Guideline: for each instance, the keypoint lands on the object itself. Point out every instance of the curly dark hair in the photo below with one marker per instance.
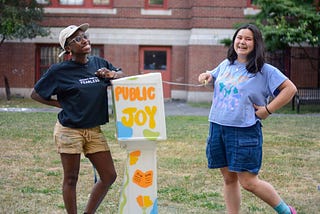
(256, 57)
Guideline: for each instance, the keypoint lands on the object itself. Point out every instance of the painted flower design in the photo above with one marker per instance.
(144, 202)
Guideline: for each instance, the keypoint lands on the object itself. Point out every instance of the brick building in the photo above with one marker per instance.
(178, 38)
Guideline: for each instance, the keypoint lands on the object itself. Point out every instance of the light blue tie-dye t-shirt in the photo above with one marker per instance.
(236, 90)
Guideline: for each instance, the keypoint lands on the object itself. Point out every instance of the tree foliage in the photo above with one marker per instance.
(287, 22)
(19, 19)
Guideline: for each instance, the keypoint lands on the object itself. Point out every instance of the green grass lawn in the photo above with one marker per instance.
(31, 172)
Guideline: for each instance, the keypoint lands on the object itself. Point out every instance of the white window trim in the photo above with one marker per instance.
(81, 10)
(156, 12)
(69, 2)
(251, 11)
(43, 1)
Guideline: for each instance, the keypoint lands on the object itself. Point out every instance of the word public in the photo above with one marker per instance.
(134, 93)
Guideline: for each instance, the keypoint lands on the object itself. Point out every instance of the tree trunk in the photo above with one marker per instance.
(6, 83)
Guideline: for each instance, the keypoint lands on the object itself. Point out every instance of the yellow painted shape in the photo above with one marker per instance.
(149, 134)
(134, 157)
(144, 201)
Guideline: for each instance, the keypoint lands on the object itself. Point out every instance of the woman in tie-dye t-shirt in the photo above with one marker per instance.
(243, 84)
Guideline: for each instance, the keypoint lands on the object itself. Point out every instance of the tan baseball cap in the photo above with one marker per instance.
(67, 32)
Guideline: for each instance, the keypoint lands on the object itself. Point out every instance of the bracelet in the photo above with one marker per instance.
(267, 109)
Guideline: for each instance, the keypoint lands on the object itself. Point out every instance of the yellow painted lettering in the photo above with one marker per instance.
(140, 118)
(130, 119)
(151, 113)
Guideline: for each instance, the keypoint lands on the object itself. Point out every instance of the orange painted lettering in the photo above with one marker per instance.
(134, 93)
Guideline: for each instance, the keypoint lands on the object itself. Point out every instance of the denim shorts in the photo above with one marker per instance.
(238, 148)
(76, 141)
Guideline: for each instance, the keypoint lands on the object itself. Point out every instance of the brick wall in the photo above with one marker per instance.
(124, 56)
(17, 63)
(179, 66)
(201, 59)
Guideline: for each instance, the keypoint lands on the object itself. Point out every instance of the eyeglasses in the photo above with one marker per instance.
(79, 38)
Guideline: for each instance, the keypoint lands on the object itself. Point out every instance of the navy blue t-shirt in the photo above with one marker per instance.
(82, 95)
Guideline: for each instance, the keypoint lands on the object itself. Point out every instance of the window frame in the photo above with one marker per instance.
(157, 51)
(164, 6)
(142, 49)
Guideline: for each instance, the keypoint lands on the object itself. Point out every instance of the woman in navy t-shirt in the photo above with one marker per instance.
(80, 86)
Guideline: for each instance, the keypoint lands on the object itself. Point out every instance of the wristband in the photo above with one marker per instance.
(267, 109)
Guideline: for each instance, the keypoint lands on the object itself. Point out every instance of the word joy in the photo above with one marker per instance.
(134, 93)
(139, 116)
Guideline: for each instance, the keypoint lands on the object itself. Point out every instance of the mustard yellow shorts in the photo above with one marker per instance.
(76, 141)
